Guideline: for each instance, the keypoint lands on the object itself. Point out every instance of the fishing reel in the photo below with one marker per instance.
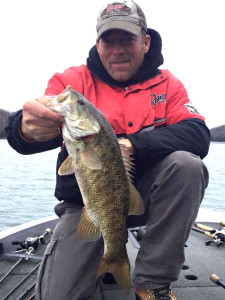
(217, 235)
(218, 239)
(30, 242)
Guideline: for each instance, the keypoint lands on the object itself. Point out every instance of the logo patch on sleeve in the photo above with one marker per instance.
(191, 108)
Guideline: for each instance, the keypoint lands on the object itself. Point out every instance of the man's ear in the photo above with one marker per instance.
(147, 43)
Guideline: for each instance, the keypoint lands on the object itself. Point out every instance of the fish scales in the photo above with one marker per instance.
(108, 195)
(104, 190)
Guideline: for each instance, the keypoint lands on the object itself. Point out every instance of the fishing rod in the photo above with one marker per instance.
(21, 282)
(217, 235)
(28, 290)
(214, 278)
(29, 245)
(24, 256)
(15, 265)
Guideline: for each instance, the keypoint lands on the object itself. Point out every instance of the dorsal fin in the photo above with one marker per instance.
(128, 161)
(136, 203)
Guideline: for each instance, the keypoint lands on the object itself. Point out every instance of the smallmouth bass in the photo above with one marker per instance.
(101, 170)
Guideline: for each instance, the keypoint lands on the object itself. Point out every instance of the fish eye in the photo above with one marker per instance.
(80, 101)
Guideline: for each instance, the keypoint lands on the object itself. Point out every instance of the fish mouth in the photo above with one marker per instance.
(81, 129)
(90, 136)
(79, 134)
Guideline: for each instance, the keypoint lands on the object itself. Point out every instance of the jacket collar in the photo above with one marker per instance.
(149, 69)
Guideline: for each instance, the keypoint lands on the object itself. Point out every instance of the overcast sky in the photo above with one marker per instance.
(41, 37)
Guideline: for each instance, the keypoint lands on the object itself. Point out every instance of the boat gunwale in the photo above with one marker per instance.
(13, 230)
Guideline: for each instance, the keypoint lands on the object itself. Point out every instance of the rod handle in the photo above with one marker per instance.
(209, 234)
(214, 278)
(206, 228)
(222, 223)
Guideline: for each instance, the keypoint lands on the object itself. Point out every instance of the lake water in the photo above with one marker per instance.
(27, 184)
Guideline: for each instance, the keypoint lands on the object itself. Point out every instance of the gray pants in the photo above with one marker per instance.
(172, 192)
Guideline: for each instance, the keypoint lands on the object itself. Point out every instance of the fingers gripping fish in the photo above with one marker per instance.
(108, 194)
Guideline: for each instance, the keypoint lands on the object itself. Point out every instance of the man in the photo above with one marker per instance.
(150, 112)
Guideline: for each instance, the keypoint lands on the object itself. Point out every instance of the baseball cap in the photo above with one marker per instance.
(123, 15)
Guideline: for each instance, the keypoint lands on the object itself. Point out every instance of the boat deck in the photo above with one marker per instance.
(193, 284)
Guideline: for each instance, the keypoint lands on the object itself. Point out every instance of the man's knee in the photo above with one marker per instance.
(189, 166)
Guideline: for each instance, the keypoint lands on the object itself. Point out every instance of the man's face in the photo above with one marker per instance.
(122, 53)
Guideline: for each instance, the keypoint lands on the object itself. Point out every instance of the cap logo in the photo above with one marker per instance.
(116, 10)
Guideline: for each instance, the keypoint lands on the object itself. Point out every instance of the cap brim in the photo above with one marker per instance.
(120, 25)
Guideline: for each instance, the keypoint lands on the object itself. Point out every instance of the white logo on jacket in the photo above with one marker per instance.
(191, 108)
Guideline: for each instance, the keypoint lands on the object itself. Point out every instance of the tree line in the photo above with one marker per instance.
(217, 133)
(4, 114)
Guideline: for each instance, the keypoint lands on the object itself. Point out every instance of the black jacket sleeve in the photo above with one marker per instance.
(190, 135)
(22, 146)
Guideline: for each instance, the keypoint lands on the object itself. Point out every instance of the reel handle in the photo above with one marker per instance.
(42, 237)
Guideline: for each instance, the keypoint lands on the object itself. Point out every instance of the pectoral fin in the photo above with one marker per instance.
(90, 159)
(88, 230)
(136, 202)
(67, 167)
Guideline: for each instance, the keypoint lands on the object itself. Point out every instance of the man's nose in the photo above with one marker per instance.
(118, 48)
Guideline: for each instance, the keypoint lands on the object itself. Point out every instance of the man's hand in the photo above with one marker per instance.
(128, 146)
(39, 122)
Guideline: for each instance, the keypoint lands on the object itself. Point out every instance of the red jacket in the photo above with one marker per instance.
(161, 100)
(159, 103)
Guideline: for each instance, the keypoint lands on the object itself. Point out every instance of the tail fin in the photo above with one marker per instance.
(120, 270)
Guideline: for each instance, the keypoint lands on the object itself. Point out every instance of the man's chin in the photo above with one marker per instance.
(120, 77)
